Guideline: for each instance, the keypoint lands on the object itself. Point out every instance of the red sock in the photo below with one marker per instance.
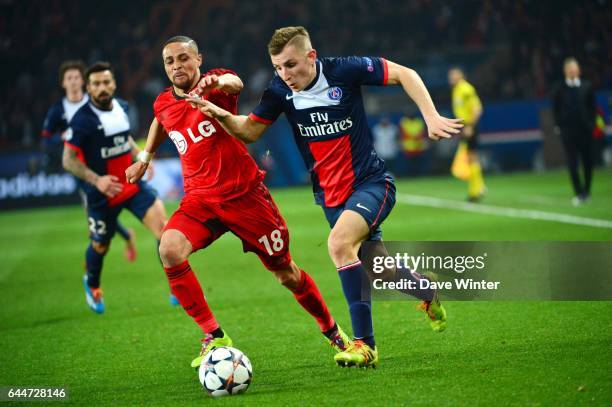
(308, 295)
(185, 286)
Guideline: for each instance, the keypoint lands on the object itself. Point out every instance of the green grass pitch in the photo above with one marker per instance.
(138, 352)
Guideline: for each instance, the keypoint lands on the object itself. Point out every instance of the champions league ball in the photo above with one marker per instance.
(225, 371)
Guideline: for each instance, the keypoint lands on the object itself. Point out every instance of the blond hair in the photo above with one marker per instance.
(296, 36)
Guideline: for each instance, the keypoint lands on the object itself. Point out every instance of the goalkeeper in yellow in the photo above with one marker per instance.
(467, 106)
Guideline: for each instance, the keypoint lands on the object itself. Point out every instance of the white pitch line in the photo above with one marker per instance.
(502, 211)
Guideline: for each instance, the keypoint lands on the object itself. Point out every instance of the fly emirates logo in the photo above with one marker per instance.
(205, 130)
(323, 127)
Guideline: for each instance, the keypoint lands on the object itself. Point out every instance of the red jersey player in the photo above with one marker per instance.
(223, 192)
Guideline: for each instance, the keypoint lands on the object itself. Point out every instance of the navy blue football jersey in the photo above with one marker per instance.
(60, 114)
(101, 140)
(330, 125)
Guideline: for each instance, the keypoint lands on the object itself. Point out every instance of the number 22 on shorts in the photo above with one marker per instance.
(101, 226)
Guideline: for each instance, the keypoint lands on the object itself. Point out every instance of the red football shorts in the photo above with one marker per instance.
(253, 217)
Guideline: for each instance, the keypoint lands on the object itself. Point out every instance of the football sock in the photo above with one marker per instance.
(185, 286)
(309, 297)
(218, 333)
(476, 182)
(402, 274)
(93, 263)
(330, 333)
(122, 230)
(369, 340)
(351, 276)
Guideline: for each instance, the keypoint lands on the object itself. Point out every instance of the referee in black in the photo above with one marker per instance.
(574, 111)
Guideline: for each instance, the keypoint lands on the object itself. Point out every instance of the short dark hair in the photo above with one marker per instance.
(99, 66)
(69, 65)
(184, 40)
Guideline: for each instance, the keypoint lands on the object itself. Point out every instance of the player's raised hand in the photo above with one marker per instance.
(208, 108)
(135, 172)
(109, 185)
(442, 127)
(206, 85)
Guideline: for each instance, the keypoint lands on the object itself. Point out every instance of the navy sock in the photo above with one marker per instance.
(122, 230)
(93, 261)
(358, 296)
(422, 294)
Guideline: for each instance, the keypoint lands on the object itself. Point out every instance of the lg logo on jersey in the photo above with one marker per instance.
(205, 128)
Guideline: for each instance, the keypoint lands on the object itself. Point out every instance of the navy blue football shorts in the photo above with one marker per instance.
(103, 219)
(372, 200)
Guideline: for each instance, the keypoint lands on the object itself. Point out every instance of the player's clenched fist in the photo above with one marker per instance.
(135, 172)
(206, 85)
(109, 185)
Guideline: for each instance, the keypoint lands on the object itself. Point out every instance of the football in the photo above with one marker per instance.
(225, 371)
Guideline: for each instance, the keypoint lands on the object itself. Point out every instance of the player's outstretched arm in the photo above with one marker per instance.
(438, 126)
(107, 184)
(155, 137)
(241, 127)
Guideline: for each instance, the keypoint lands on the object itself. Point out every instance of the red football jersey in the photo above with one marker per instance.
(214, 163)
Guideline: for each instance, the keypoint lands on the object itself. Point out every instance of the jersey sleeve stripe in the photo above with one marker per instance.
(78, 150)
(385, 71)
(256, 118)
(72, 146)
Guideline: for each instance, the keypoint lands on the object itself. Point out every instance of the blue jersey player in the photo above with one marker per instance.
(97, 150)
(56, 124)
(321, 98)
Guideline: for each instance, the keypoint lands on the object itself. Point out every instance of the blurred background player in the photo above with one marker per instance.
(223, 192)
(575, 111)
(56, 124)
(414, 144)
(386, 144)
(322, 100)
(97, 151)
(467, 107)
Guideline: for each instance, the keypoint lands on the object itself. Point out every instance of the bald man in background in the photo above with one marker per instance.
(574, 111)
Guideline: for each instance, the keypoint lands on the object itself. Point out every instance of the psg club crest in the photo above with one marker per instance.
(334, 93)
